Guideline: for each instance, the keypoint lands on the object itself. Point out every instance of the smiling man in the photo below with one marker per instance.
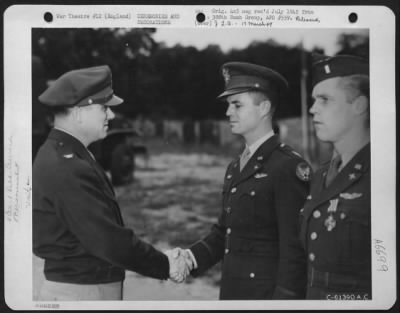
(256, 236)
(77, 224)
(336, 221)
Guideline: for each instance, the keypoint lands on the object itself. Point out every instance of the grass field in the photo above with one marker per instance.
(174, 200)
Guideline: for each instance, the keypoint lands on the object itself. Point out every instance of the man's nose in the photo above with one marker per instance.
(229, 110)
(313, 109)
(110, 114)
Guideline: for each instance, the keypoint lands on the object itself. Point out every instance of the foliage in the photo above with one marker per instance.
(177, 82)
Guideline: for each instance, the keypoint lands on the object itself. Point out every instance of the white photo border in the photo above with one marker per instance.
(18, 23)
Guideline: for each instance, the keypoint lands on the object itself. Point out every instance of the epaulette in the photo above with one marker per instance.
(63, 152)
(289, 150)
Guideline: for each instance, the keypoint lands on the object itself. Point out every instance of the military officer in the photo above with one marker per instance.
(336, 221)
(256, 236)
(77, 224)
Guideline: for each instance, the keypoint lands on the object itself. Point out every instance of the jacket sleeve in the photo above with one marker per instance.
(91, 216)
(290, 192)
(209, 250)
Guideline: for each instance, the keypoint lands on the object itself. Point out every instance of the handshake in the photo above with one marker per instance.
(180, 264)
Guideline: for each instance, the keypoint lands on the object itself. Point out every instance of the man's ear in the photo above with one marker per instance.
(361, 105)
(265, 107)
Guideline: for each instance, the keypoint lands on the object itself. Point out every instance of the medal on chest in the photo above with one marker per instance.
(330, 222)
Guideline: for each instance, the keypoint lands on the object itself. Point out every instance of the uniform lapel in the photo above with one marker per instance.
(256, 160)
(350, 174)
(233, 173)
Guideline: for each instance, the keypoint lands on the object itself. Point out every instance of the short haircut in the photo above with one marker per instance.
(259, 96)
(356, 85)
(59, 111)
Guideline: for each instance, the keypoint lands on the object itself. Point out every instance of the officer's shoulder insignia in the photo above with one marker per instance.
(296, 153)
(350, 196)
(358, 166)
(303, 171)
(68, 156)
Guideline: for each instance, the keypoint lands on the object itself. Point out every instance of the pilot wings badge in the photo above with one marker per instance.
(350, 196)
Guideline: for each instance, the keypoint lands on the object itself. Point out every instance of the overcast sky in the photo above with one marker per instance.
(240, 38)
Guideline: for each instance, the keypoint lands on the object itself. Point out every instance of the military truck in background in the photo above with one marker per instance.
(115, 153)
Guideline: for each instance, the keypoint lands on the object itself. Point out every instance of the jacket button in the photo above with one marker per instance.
(253, 193)
(226, 251)
(233, 190)
(228, 231)
(311, 256)
(342, 216)
(313, 236)
(60, 144)
(229, 176)
(252, 275)
(316, 214)
(228, 209)
(309, 197)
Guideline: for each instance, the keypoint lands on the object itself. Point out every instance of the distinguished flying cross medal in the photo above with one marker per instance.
(330, 222)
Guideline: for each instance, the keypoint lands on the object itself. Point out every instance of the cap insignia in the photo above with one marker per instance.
(327, 69)
(226, 74)
(90, 101)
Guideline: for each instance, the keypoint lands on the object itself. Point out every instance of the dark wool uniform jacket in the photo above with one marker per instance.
(257, 234)
(345, 249)
(77, 224)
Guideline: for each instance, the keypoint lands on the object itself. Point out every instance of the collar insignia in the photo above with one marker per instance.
(352, 176)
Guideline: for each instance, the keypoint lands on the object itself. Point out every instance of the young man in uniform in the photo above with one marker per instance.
(77, 224)
(336, 220)
(256, 236)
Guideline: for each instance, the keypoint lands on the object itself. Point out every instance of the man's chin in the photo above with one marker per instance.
(323, 137)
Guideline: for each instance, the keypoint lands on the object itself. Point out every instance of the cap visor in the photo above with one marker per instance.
(231, 92)
(115, 100)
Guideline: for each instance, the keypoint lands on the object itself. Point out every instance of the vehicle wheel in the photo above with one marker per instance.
(122, 164)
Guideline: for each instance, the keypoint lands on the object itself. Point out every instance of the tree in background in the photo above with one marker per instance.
(178, 82)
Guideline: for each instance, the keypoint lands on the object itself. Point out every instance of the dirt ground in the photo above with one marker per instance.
(173, 201)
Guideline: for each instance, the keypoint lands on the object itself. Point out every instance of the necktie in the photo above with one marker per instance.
(244, 158)
(333, 170)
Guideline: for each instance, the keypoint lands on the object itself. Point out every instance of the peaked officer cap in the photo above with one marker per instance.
(82, 87)
(242, 77)
(341, 65)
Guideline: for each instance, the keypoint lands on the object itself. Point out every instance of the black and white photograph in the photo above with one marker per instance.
(238, 156)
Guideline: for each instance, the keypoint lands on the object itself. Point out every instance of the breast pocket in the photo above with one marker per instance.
(242, 206)
(355, 230)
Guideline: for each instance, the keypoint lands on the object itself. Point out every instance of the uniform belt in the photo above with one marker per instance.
(330, 279)
(241, 245)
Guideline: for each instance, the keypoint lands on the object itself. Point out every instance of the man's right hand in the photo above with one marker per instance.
(180, 264)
